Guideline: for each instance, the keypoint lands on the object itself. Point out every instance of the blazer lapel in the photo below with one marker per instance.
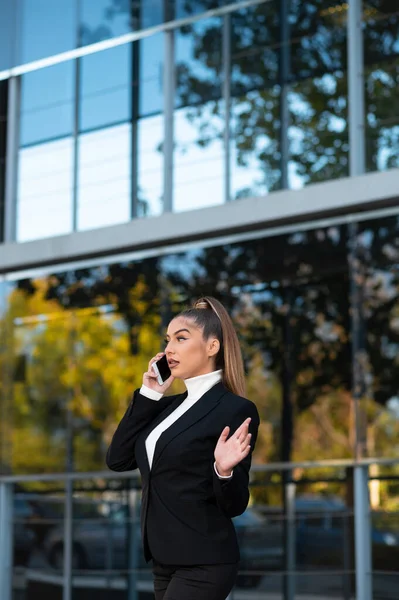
(140, 447)
(201, 408)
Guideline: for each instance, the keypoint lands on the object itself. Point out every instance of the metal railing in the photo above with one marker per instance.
(361, 521)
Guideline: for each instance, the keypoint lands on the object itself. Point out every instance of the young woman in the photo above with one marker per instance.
(193, 451)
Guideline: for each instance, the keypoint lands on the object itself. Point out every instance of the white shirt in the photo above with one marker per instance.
(196, 388)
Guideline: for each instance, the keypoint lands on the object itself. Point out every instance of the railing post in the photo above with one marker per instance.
(6, 540)
(68, 540)
(364, 586)
(290, 535)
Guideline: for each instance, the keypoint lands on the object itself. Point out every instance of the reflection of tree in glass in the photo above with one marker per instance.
(295, 290)
(78, 357)
(314, 52)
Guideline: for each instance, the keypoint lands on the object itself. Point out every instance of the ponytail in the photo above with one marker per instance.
(212, 317)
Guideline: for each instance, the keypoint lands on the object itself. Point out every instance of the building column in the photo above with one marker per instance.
(12, 146)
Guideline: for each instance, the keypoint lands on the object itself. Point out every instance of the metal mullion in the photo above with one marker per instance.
(135, 83)
(12, 162)
(284, 73)
(356, 110)
(68, 539)
(169, 87)
(75, 188)
(226, 70)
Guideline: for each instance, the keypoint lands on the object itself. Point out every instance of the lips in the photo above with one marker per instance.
(172, 363)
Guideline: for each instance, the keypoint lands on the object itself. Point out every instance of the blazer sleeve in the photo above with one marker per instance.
(232, 495)
(140, 412)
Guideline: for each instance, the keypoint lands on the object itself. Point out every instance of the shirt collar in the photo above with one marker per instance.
(197, 386)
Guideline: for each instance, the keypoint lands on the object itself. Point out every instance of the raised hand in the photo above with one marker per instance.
(150, 378)
(229, 452)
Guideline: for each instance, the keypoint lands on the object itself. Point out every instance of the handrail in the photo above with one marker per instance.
(272, 467)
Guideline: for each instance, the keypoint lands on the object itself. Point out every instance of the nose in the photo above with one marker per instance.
(169, 350)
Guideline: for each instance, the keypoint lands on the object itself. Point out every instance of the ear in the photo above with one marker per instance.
(213, 347)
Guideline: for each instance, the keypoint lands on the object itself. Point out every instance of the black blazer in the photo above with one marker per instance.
(186, 509)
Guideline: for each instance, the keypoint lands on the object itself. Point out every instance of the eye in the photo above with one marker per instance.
(166, 342)
(181, 338)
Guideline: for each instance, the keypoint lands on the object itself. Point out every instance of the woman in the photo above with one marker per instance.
(194, 454)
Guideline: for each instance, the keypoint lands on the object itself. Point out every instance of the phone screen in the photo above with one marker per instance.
(163, 368)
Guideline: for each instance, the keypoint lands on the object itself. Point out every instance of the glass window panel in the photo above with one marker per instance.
(255, 47)
(289, 299)
(199, 157)
(150, 132)
(318, 134)
(151, 13)
(38, 509)
(186, 8)
(46, 28)
(102, 19)
(378, 334)
(151, 53)
(5, 380)
(255, 109)
(104, 177)
(255, 146)
(3, 147)
(47, 103)
(40, 354)
(198, 62)
(114, 516)
(45, 185)
(199, 118)
(384, 530)
(64, 355)
(105, 100)
(7, 34)
(381, 56)
(318, 95)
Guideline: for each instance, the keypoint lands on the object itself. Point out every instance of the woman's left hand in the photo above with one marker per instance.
(229, 452)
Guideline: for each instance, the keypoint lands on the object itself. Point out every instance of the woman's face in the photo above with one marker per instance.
(187, 352)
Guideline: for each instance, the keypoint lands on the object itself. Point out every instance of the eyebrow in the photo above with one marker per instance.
(179, 331)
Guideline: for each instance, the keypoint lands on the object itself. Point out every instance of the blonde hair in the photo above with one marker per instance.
(211, 316)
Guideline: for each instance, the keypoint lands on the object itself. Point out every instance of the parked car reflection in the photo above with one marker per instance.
(324, 535)
(24, 536)
(107, 542)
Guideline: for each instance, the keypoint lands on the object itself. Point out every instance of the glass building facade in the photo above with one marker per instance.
(117, 115)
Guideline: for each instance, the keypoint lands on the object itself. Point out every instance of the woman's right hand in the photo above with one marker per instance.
(150, 378)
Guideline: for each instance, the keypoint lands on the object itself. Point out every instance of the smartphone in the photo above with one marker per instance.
(162, 370)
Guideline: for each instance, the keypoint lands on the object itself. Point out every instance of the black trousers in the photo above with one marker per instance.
(194, 582)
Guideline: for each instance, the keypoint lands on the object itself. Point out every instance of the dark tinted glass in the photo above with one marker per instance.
(377, 272)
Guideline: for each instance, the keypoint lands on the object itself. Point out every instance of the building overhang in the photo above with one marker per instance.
(345, 196)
